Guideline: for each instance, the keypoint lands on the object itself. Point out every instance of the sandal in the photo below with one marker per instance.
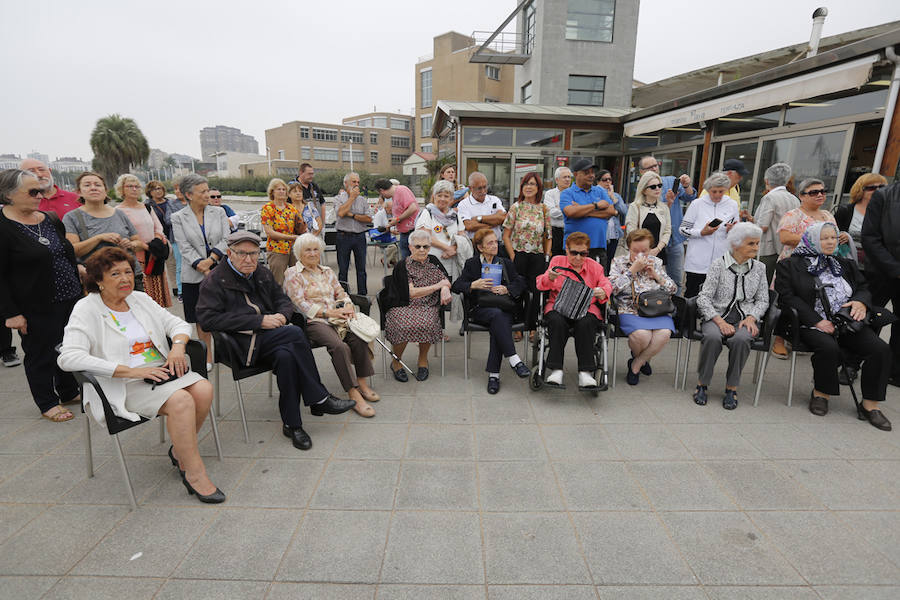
(366, 411)
(61, 415)
(372, 396)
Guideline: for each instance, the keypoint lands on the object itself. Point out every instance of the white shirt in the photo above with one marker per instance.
(141, 351)
(380, 219)
(444, 234)
(470, 208)
(551, 199)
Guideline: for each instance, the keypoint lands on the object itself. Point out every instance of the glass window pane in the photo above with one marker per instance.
(496, 169)
(580, 98)
(817, 155)
(746, 153)
(590, 20)
(597, 140)
(551, 138)
(487, 136)
(751, 121)
(824, 107)
(379, 122)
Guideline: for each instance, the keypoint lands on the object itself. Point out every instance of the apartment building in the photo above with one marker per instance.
(225, 139)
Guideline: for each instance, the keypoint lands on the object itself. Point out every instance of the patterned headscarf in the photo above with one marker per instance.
(810, 246)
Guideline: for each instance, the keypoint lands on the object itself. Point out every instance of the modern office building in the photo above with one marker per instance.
(225, 139)
(447, 74)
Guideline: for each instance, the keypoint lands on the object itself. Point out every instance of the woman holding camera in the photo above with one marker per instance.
(801, 280)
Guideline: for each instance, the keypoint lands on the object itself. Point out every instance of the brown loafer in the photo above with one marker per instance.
(818, 405)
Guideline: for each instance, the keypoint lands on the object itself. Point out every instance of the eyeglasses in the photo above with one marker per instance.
(814, 193)
(35, 192)
(583, 253)
(872, 188)
(651, 167)
(215, 196)
(606, 179)
(655, 186)
(242, 254)
(133, 186)
(421, 246)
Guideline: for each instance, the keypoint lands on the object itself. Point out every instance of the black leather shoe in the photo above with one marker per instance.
(875, 417)
(646, 369)
(818, 405)
(332, 406)
(299, 438)
(700, 395)
(422, 373)
(521, 370)
(494, 384)
(631, 378)
(400, 375)
(217, 497)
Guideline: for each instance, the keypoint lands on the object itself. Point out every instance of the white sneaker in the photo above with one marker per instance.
(585, 379)
(555, 377)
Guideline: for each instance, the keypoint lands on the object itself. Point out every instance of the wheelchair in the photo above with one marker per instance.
(541, 347)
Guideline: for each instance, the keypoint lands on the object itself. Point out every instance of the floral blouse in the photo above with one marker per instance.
(530, 225)
(312, 291)
(796, 221)
(621, 277)
(281, 220)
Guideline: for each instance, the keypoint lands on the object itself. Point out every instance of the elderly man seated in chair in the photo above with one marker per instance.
(241, 298)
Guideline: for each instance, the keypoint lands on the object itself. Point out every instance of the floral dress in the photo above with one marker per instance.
(281, 220)
(530, 225)
(419, 321)
(797, 222)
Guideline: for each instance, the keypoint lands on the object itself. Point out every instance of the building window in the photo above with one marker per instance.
(325, 154)
(304, 152)
(325, 135)
(528, 39)
(373, 138)
(398, 159)
(358, 156)
(363, 122)
(425, 83)
(526, 93)
(487, 99)
(492, 72)
(304, 132)
(400, 124)
(373, 157)
(586, 90)
(590, 20)
(427, 148)
(380, 122)
(398, 141)
(426, 126)
(281, 155)
(352, 136)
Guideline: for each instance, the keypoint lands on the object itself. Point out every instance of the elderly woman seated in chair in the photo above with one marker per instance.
(804, 280)
(119, 336)
(493, 304)
(418, 288)
(633, 274)
(731, 304)
(315, 291)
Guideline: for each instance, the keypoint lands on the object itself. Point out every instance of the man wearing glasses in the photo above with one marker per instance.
(215, 199)
(481, 210)
(586, 208)
(676, 202)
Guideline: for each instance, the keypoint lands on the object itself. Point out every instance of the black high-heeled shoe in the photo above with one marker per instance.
(175, 462)
(217, 497)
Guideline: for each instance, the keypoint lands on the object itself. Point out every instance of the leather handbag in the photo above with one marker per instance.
(504, 302)
(653, 303)
(574, 297)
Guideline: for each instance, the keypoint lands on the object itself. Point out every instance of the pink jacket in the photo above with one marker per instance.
(592, 273)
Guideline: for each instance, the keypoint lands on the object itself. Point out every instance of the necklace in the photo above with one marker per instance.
(39, 234)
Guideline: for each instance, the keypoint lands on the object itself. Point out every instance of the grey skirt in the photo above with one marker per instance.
(145, 400)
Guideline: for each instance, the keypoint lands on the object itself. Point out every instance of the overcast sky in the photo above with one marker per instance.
(178, 66)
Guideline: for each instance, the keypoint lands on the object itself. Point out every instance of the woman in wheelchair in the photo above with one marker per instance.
(492, 305)
(576, 259)
(731, 304)
(119, 335)
(631, 275)
(803, 280)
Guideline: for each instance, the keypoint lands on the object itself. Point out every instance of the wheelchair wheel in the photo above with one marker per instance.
(603, 382)
(536, 381)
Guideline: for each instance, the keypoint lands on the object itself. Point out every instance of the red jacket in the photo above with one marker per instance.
(592, 273)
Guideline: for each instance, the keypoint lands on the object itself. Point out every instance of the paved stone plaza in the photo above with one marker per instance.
(449, 493)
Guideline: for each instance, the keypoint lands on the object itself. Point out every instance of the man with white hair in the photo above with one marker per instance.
(772, 207)
(55, 200)
(563, 178)
(352, 224)
(481, 210)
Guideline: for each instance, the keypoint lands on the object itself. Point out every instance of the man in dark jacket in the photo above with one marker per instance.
(881, 243)
(242, 298)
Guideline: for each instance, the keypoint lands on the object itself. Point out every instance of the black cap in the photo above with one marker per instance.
(583, 164)
(733, 164)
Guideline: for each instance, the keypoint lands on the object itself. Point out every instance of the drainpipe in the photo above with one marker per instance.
(816, 35)
(889, 109)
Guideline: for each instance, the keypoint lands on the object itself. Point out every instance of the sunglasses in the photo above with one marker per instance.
(815, 193)
(583, 253)
(214, 196)
(606, 179)
(35, 192)
(872, 188)
(421, 246)
(655, 186)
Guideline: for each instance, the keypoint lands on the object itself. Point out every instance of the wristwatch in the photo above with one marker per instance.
(596, 207)
(478, 218)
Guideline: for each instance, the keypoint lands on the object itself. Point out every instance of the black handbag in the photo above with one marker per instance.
(487, 299)
(653, 303)
(574, 298)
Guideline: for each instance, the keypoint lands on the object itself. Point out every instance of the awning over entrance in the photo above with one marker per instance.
(824, 81)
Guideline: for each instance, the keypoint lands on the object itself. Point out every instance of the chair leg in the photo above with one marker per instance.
(615, 360)
(442, 354)
(756, 368)
(240, 399)
(466, 352)
(791, 383)
(383, 363)
(125, 472)
(687, 362)
(271, 378)
(762, 375)
(217, 400)
(88, 450)
(162, 429)
(215, 432)
(678, 360)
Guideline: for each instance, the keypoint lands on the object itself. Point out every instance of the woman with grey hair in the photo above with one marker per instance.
(777, 202)
(705, 225)
(732, 303)
(316, 292)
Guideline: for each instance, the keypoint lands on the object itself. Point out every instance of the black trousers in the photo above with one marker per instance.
(529, 265)
(599, 254)
(48, 383)
(5, 339)
(693, 282)
(288, 351)
(502, 345)
(346, 244)
(585, 332)
(611, 246)
(556, 246)
(884, 290)
(874, 353)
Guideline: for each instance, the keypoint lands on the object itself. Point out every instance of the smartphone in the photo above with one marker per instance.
(675, 186)
(715, 223)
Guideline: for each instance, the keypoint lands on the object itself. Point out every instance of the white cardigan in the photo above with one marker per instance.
(92, 343)
(702, 250)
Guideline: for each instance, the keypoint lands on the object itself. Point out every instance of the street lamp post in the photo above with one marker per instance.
(269, 161)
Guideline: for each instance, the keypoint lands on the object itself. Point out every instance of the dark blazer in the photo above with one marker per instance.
(796, 287)
(881, 231)
(26, 268)
(515, 283)
(397, 290)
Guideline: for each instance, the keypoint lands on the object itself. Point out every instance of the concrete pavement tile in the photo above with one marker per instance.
(432, 547)
(883, 471)
(840, 485)
(646, 442)
(357, 484)
(725, 548)
(11, 464)
(390, 409)
(856, 440)
(559, 409)
(677, 407)
(46, 547)
(231, 437)
(50, 477)
(578, 442)
(518, 486)
(630, 548)
(786, 441)
(532, 548)
(679, 486)
(103, 588)
(337, 547)
(10, 426)
(324, 439)
(824, 550)
(102, 444)
(541, 592)
(760, 593)
(372, 440)
(438, 485)
(453, 442)
(759, 485)
(711, 442)
(25, 588)
(225, 474)
(320, 591)
(662, 592)
(14, 517)
(162, 536)
(435, 408)
(242, 543)
(855, 592)
(40, 436)
(614, 408)
(107, 486)
(877, 529)
(277, 483)
(594, 486)
(509, 442)
(431, 592)
(502, 409)
(207, 589)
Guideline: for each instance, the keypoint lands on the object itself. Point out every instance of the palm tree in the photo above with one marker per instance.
(118, 144)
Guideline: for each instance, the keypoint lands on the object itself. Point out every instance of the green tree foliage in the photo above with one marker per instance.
(118, 144)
